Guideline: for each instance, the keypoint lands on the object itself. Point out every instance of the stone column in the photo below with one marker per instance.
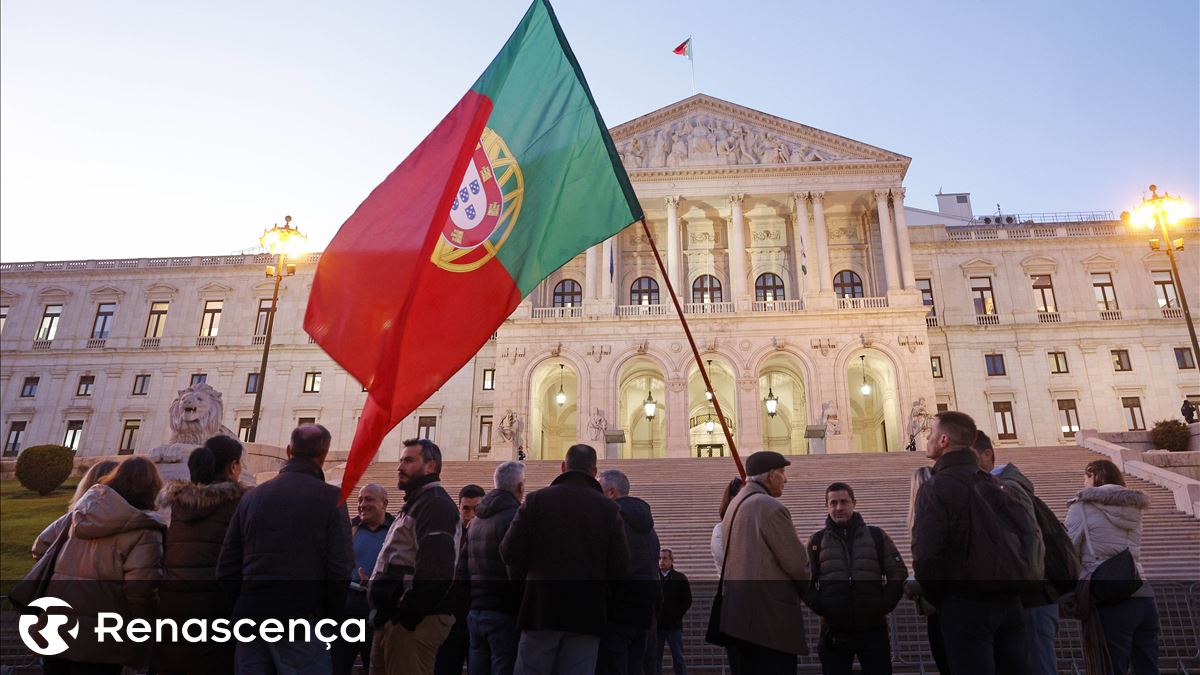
(888, 236)
(802, 244)
(674, 250)
(907, 274)
(737, 249)
(826, 276)
(591, 274)
(677, 441)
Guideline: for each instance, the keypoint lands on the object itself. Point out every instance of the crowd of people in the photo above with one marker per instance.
(573, 578)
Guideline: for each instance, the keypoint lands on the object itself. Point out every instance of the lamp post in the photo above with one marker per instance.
(1157, 213)
(280, 241)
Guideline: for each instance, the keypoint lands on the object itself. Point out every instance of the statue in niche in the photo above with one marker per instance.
(660, 149)
(597, 425)
(509, 426)
(829, 417)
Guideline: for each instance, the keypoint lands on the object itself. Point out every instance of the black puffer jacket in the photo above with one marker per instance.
(636, 597)
(850, 591)
(490, 586)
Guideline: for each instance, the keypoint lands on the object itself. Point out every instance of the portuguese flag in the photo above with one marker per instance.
(517, 180)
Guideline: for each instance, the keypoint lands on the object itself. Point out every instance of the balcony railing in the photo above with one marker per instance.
(557, 312)
(258, 340)
(1110, 315)
(708, 308)
(863, 303)
(643, 310)
(151, 342)
(776, 306)
(96, 343)
(206, 341)
(987, 319)
(42, 344)
(1049, 317)
(931, 321)
(1172, 312)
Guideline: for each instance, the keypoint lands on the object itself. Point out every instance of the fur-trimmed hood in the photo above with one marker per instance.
(190, 501)
(1115, 495)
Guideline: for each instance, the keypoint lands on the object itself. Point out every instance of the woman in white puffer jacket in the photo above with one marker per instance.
(1104, 520)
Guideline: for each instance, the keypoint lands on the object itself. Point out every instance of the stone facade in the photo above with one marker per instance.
(804, 277)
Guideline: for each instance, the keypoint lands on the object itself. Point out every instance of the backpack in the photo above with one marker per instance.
(1061, 561)
(1005, 553)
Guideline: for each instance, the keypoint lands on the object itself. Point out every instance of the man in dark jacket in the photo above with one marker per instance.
(634, 599)
(410, 587)
(452, 655)
(368, 531)
(677, 600)
(494, 599)
(566, 543)
(858, 577)
(287, 554)
(982, 632)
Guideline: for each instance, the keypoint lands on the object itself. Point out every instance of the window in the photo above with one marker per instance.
(49, 325)
(312, 382)
(251, 383)
(768, 288)
(141, 385)
(244, 429)
(1121, 362)
(29, 387)
(960, 199)
(74, 431)
(847, 284)
(644, 292)
(489, 379)
(485, 433)
(301, 421)
(1106, 294)
(1043, 293)
(1058, 362)
(1184, 358)
(157, 320)
(568, 293)
(210, 322)
(427, 427)
(129, 434)
(943, 407)
(86, 384)
(981, 293)
(264, 317)
(935, 364)
(1006, 428)
(104, 318)
(1133, 413)
(1068, 416)
(995, 364)
(926, 288)
(198, 378)
(16, 433)
(3, 316)
(706, 289)
(1164, 288)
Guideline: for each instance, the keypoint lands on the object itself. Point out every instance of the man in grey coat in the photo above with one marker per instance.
(766, 573)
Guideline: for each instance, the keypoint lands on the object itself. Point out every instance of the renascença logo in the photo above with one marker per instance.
(41, 632)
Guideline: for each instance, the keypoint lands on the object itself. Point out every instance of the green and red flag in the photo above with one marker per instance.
(684, 48)
(517, 180)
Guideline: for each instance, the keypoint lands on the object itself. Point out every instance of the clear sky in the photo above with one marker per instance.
(132, 129)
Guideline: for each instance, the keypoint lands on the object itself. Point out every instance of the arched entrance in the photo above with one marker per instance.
(781, 386)
(874, 407)
(705, 437)
(554, 410)
(642, 410)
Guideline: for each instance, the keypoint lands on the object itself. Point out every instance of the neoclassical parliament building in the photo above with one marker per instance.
(826, 309)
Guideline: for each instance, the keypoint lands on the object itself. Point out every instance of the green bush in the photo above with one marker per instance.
(43, 468)
(1171, 435)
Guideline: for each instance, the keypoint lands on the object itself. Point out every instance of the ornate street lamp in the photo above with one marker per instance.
(282, 242)
(1157, 213)
(710, 424)
(865, 389)
(771, 401)
(561, 397)
(708, 392)
(650, 406)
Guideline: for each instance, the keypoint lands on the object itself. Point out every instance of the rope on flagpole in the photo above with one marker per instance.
(737, 459)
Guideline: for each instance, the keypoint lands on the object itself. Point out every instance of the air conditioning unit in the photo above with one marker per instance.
(999, 220)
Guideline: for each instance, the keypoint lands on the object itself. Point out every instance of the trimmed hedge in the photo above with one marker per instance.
(1170, 435)
(43, 468)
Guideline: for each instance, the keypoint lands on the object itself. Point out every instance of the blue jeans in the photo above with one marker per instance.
(556, 652)
(282, 658)
(984, 637)
(674, 638)
(1041, 629)
(1131, 631)
(494, 640)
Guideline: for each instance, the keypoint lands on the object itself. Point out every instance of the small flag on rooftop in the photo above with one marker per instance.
(685, 48)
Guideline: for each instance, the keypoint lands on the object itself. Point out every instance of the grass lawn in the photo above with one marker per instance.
(23, 515)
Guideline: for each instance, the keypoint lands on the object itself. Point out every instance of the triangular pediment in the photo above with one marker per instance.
(1039, 264)
(1099, 263)
(706, 132)
(978, 266)
(214, 288)
(107, 292)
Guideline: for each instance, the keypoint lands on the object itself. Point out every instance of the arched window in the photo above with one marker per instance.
(847, 284)
(706, 288)
(567, 293)
(644, 291)
(768, 288)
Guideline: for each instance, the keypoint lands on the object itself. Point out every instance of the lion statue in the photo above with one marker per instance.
(196, 415)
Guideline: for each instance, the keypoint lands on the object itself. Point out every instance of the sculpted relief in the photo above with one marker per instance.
(702, 139)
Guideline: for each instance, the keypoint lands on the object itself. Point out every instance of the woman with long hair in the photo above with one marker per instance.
(200, 513)
(92, 476)
(111, 561)
(716, 543)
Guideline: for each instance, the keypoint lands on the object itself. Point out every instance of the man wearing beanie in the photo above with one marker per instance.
(766, 573)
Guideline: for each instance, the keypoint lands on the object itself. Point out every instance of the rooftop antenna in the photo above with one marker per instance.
(998, 211)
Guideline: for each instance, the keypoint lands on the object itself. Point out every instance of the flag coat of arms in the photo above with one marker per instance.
(517, 180)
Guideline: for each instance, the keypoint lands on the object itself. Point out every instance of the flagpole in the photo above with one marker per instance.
(692, 63)
(737, 460)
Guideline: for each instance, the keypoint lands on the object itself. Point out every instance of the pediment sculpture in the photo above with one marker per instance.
(704, 139)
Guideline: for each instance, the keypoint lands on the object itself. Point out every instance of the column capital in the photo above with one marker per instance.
(898, 194)
(817, 196)
(736, 198)
(800, 200)
(671, 200)
(881, 195)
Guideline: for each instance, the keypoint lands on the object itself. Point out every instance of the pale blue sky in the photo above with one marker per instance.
(171, 128)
